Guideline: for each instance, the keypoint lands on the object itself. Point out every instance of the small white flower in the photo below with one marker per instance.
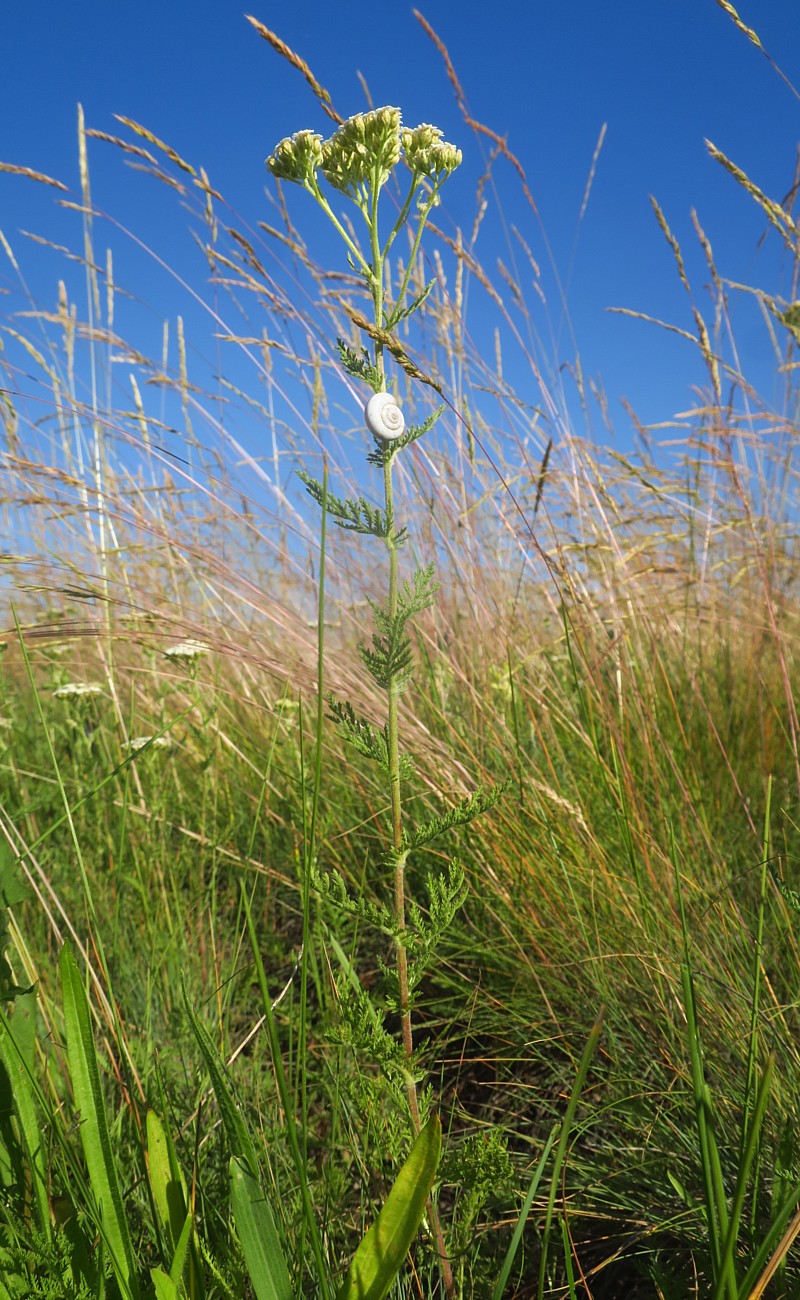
(155, 742)
(77, 688)
(186, 651)
(6, 724)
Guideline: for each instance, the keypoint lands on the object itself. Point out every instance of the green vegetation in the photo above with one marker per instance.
(461, 961)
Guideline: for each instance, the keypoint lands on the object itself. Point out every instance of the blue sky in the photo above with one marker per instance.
(661, 74)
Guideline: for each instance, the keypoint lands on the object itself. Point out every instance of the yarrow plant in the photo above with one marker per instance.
(357, 162)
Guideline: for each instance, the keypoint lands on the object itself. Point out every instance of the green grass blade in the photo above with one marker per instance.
(286, 1102)
(17, 1038)
(533, 1186)
(239, 1140)
(728, 1255)
(167, 1160)
(759, 1272)
(181, 1250)
(382, 1251)
(716, 1204)
(248, 1223)
(561, 1149)
(257, 1233)
(95, 1137)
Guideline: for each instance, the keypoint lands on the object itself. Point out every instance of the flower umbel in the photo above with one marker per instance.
(363, 151)
(72, 689)
(427, 154)
(296, 158)
(186, 651)
(157, 742)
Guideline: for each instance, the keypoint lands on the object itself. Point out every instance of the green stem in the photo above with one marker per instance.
(393, 739)
(392, 321)
(316, 192)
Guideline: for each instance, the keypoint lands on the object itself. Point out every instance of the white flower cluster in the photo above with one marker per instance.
(72, 689)
(155, 742)
(186, 651)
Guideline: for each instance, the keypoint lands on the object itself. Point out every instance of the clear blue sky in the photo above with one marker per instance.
(663, 74)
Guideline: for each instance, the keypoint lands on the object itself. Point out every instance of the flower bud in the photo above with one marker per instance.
(363, 151)
(296, 158)
(427, 154)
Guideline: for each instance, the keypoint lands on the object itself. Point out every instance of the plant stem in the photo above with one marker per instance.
(393, 740)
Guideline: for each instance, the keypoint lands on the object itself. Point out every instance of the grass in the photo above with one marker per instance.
(609, 1030)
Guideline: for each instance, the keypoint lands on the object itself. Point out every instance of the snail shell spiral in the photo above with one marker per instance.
(384, 418)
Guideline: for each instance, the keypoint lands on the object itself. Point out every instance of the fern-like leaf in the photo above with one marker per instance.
(360, 367)
(460, 814)
(386, 451)
(354, 514)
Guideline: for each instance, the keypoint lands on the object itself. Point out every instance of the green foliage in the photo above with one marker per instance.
(171, 1200)
(392, 320)
(360, 367)
(359, 1026)
(480, 1168)
(23, 1165)
(382, 1251)
(370, 741)
(389, 658)
(461, 814)
(447, 894)
(332, 890)
(12, 893)
(256, 1228)
(790, 896)
(385, 452)
(355, 514)
(254, 1219)
(39, 1266)
(95, 1136)
(659, 709)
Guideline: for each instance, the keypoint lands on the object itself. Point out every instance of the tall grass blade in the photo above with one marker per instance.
(561, 1149)
(533, 1187)
(169, 1191)
(95, 1137)
(172, 1205)
(236, 1130)
(17, 1040)
(728, 1252)
(286, 1102)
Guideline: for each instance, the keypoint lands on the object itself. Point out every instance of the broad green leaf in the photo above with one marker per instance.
(164, 1286)
(257, 1232)
(95, 1137)
(381, 1253)
(169, 1190)
(11, 893)
(172, 1205)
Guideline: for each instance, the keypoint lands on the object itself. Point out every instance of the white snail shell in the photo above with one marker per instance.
(384, 417)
